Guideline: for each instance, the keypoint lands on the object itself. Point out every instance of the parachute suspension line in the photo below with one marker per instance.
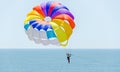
(68, 50)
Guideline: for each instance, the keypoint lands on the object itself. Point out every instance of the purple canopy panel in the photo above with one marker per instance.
(63, 11)
(43, 6)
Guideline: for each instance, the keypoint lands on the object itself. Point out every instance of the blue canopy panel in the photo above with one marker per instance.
(48, 26)
(34, 25)
(32, 21)
(48, 6)
(26, 26)
(43, 26)
(51, 34)
(39, 27)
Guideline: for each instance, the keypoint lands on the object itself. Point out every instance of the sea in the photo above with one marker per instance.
(55, 60)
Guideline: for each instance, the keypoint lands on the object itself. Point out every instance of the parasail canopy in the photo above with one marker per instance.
(49, 23)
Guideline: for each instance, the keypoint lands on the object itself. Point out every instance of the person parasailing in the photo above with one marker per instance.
(68, 57)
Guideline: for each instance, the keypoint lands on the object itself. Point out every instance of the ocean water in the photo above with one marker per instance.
(54, 60)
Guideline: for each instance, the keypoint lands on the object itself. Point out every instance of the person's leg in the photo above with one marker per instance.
(68, 59)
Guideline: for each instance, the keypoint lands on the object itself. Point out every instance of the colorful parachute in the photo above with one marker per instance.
(49, 23)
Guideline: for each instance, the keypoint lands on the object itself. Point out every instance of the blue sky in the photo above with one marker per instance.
(97, 24)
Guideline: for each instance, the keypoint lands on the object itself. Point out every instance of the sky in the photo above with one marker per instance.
(97, 24)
